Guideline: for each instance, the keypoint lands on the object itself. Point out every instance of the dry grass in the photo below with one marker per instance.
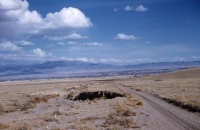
(184, 103)
(83, 125)
(13, 126)
(15, 105)
(24, 127)
(2, 109)
(133, 101)
(86, 115)
(90, 119)
(87, 126)
(114, 120)
(7, 108)
(123, 110)
(122, 118)
(3, 126)
(34, 100)
(70, 95)
(42, 98)
(50, 118)
(27, 106)
(181, 87)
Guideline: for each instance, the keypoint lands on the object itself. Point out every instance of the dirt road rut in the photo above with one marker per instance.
(164, 116)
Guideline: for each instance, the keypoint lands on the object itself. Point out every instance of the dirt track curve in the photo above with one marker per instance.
(165, 116)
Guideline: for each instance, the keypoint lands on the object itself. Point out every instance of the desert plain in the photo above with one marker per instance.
(154, 102)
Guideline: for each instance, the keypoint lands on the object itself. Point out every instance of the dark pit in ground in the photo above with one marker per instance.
(97, 94)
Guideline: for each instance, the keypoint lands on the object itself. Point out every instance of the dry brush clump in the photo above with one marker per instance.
(123, 110)
(50, 118)
(121, 118)
(29, 103)
(16, 126)
(118, 122)
(132, 101)
(3, 126)
(42, 98)
(90, 118)
(24, 127)
(2, 109)
(7, 108)
(83, 125)
(181, 87)
(186, 103)
(33, 100)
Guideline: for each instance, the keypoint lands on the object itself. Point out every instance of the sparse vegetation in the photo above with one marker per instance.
(26, 127)
(123, 110)
(133, 101)
(59, 113)
(83, 126)
(1, 109)
(3, 126)
(42, 98)
(181, 88)
(122, 118)
(70, 95)
(26, 106)
(184, 103)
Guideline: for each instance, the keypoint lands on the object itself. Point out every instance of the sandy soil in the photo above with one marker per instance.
(101, 103)
(163, 115)
(181, 87)
(51, 105)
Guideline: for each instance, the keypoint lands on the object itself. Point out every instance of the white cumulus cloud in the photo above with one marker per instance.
(40, 53)
(140, 8)
(9, 46)
(122, 36)
(67, 17)
(128, 8)
(30, 17)
(17, 11)
(16, 15)
(13, 4)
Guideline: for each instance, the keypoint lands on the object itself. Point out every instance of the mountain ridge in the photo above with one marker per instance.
(60, 69)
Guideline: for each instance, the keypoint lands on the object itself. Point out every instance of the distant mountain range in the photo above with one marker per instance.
(63, 69)
(166, 65)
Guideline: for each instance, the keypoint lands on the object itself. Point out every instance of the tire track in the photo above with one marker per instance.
(163, 115)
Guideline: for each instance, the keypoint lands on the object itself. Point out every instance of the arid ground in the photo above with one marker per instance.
(115, 103)
(181, 87)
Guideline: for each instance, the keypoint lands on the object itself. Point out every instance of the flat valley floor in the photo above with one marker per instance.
(166, 101)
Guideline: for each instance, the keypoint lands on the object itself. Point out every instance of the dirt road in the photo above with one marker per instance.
(164, 116)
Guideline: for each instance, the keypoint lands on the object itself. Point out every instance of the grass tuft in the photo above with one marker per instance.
(3, 126)
(120, 119)
(2, 109)
(184, 103)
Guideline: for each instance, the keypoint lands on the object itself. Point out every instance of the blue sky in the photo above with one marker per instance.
(105, 31)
